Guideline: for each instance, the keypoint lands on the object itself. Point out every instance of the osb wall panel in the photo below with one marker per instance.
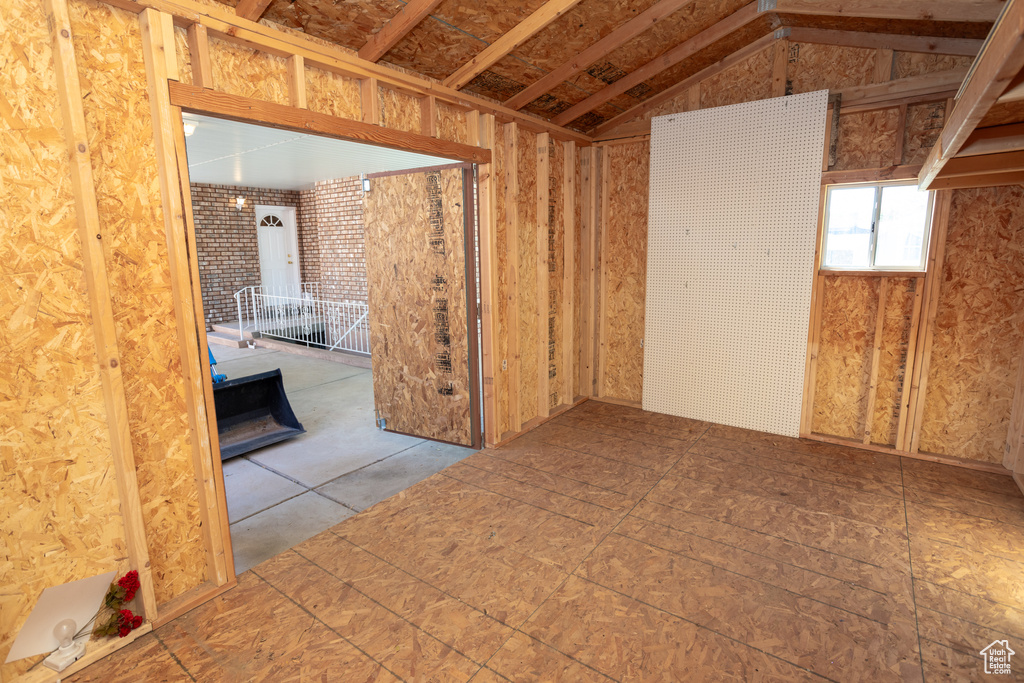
(979, 326)
(907, 64)
(748, 81)
(247, 72)
(417, 281)
(556, 269)
(529, 335)
(333, 94)
(452, 124)
(899, 305)
(678, 104)
(501, 240)
(184, 55)
(59, 513)
(124, 161)
(399, 111)
(817, 67)
(867, 139)
(625, 246)
(924, 123)
(844, 355)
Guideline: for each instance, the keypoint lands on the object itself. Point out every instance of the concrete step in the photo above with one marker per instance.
(216, 338)
(230, 329)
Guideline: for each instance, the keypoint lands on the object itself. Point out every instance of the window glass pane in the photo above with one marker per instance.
(901, 227)
(848, 242)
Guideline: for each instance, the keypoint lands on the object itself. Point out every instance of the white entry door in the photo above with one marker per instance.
(278, 244)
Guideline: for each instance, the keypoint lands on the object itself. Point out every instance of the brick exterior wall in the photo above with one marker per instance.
(226, 244)
(338, 217)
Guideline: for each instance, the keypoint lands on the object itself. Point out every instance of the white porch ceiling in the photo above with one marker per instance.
(224, 152)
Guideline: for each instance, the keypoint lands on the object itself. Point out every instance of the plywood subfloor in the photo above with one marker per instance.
(617, 544)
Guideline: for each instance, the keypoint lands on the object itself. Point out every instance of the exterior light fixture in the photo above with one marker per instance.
(239, 203)
(190, 127)
(366, 184)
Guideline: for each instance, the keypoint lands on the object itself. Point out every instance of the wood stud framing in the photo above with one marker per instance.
(588, 269)
(488, 220)
(543, 276)
(199, 50)
(568, 269)
(511, 220)
(98, 286)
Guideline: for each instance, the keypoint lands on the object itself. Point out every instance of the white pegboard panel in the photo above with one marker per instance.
(733, 216)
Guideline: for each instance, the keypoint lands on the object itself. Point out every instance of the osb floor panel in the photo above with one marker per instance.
(616, 544)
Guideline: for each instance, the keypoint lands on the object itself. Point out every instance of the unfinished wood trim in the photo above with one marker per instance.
(247, 110)
(989, 164)
(411, 171)
(780, 63)
(911, 10)
(369, 96)
(222, 21)
(95, 650)
(901, 133)
(511, 142)
(976, 465)
(171, 610)
(960, 182)
(1008, 138)
(428, 116)
(883, 65)
(588, 267)
(618, 401)
(871, 175)
(213, 504)
(488, 220)
(1000, 61)
(252, 9)
(297, 81)
(926, 331)
(668, 59)
(397, 28)
(469, 248)
(894, 92)
(159, 56)
(903, 417)
(871, 273)
(965, 47)
(602, 278)
(199, 54)
(624, 33)
(814, 325)
(543, 276)
(97, 283)
(509, 41)
(876, 355)
(568, 219)
(690, 86)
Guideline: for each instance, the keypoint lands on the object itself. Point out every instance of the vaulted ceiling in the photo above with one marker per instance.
(580, 63)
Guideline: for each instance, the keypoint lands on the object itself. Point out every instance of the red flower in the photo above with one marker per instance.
(130, 583)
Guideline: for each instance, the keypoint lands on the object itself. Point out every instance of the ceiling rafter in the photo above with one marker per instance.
(509, 41)
(396, 29)
(972, 11)
(252, 9)
(965, 47)
(631, 29)
(666, 60)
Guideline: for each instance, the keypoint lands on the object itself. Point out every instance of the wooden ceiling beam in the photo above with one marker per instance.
(522, 32)
(252, 9)
(940, 46)
(631, 29)
(1000, 62)
(971, 11)
(688, 48)
(1005, 162)
(1009, 138)
(986, 180)
(390, 33)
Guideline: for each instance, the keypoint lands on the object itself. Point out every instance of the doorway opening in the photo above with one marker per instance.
(312, 250)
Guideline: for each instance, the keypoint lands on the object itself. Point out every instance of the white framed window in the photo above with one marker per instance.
(883, 226)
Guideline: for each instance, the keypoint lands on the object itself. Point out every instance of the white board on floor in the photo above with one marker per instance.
(732, 223)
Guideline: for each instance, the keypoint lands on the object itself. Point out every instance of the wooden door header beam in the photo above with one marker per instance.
(247, 110)
(224, 23)
(970, 11)
(388, 36)
(631, 29)
(523, 31)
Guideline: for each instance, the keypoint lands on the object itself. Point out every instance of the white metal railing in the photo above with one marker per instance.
(300, 315)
